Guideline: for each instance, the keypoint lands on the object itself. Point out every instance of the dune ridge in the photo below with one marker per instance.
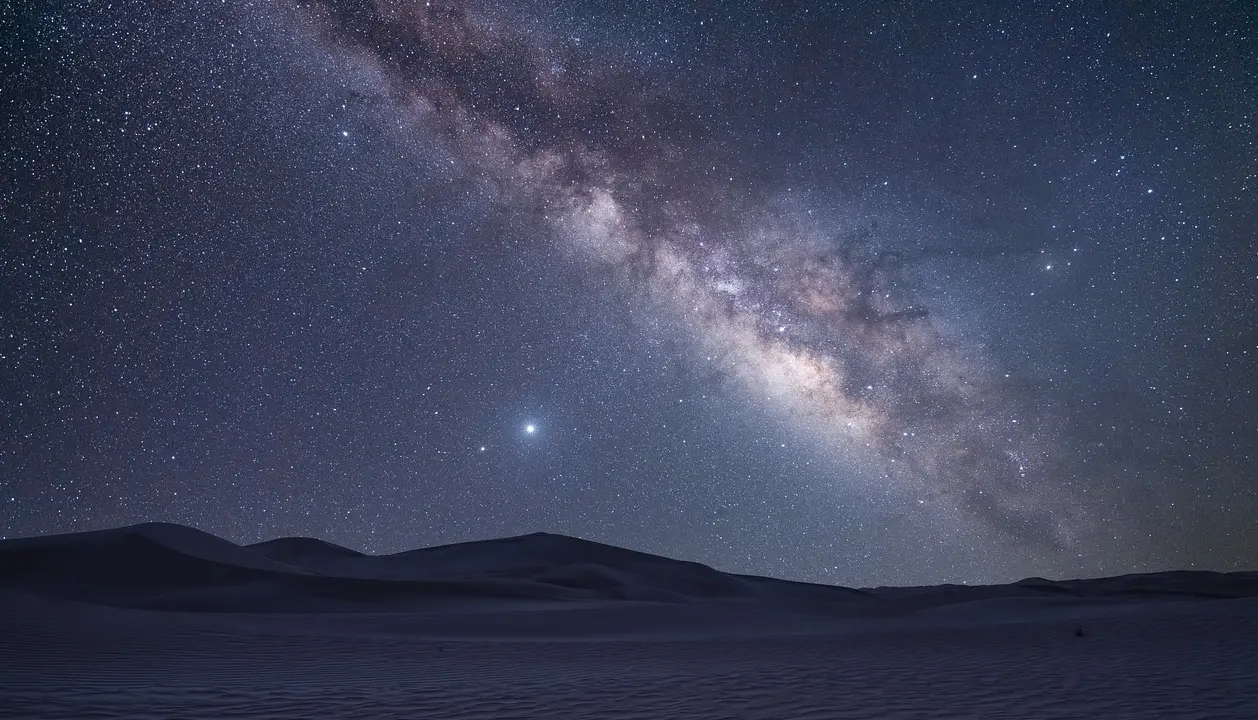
(159, 621)
(172, 567)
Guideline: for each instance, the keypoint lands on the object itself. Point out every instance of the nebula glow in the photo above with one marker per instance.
(815, 326)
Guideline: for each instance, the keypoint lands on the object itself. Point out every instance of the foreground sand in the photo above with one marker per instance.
(1162, 660)
(153, 638)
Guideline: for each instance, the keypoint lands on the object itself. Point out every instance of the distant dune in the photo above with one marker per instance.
(160, 620)
(159, 565)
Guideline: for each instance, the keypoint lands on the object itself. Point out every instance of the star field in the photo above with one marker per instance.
(843, 293)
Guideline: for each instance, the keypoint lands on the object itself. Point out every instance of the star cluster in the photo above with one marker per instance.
(845, 294)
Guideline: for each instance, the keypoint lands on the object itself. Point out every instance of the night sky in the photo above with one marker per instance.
(859, 293)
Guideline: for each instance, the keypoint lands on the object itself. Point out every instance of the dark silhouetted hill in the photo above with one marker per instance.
(165, 566)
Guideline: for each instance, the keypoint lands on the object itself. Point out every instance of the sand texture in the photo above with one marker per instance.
(161, 621)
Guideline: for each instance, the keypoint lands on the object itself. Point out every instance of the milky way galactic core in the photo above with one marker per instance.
(836, 293)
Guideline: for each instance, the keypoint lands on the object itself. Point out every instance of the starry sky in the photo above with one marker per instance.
(862, 293)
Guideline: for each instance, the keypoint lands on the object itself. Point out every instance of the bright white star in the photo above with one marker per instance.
(530, 429)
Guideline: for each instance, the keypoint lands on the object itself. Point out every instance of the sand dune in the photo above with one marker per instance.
(139, 565)
(165, 621)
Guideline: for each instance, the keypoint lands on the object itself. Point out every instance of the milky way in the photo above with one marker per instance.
(839, 292)
(815, 324)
